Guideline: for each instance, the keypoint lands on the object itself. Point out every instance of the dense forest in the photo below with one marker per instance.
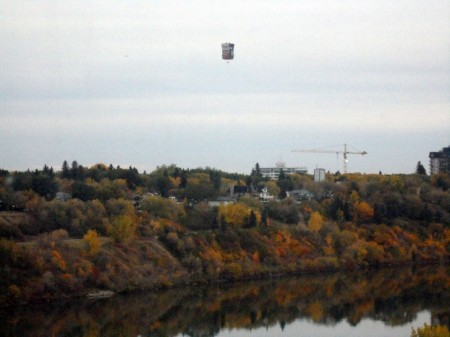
(66, 233)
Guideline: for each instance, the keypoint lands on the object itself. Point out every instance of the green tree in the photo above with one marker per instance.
(74, 170)
(83, 191)
(44, 185)
(223, 222)
(183, 179)
(215, 178)
(258, 170)
(65, 172)
(282, 175)
(251, 222)
(122, 228)
(420, 169)
(162, 208)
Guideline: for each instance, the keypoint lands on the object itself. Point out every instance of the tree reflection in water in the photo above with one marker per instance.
(392, 296)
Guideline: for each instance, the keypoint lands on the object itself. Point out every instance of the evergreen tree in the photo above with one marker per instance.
(65, 174)
(223, 223)
(282, 176)
(215, 178)
(183, 179)
(80, 172)
(215, 224)
(420, 169)
(44, 186)
(176, 173)
(258, 170)
(74, 170)
(251, 223)
(264, 217)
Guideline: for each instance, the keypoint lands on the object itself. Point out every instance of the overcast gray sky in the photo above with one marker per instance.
(142, 83)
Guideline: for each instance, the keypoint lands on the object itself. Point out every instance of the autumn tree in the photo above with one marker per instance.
(441, 180)
(162, 208)
(116, 207)
(122, 228)
(92, 242)
(431, 331)
(235, 214)
(363, 212)
(315, 222)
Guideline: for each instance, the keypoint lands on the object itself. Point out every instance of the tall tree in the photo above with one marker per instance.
(251, 222)
(183, 179)
(215, 178)
(74, 170)
(65, 173)
(257, 170)
(420, 169)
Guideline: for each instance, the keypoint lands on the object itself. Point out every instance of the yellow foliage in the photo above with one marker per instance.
(316, 311)
(354, 197)
(175, 181)
(100, 166)
(122, 228)
(235, 214)
(431, 331)
(92, 241)
(315, 221)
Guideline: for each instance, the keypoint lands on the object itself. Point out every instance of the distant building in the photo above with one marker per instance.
(264, 195)
(63, 196)
(221, 200)
(237, 191)
(300, 195)
(440, 161)
(274, 172)
(319, 174)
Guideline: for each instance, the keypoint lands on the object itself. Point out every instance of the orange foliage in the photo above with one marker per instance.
(58, 260)
(363, 212)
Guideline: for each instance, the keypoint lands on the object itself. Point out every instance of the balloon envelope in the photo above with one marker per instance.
(227, 51)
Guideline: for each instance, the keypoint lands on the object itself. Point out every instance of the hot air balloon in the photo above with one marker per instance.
(227, 51)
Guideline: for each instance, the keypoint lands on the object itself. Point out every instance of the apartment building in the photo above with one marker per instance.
(440, 161)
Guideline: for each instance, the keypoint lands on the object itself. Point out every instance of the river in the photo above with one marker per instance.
(386, 302)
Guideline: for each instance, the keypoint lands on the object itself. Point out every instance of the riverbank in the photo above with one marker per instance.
(54, 266)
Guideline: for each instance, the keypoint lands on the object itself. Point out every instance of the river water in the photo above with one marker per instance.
(387, 302)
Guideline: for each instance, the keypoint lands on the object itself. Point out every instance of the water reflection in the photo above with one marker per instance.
(392, 296)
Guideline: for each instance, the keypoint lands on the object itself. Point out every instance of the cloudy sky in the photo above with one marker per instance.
(142, 83)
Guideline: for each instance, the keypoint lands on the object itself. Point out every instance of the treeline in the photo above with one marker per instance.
(131, 233)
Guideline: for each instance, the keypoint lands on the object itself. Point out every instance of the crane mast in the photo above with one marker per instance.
(345, 152)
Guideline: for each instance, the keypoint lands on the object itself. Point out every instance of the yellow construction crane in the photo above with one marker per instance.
(345, 152)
